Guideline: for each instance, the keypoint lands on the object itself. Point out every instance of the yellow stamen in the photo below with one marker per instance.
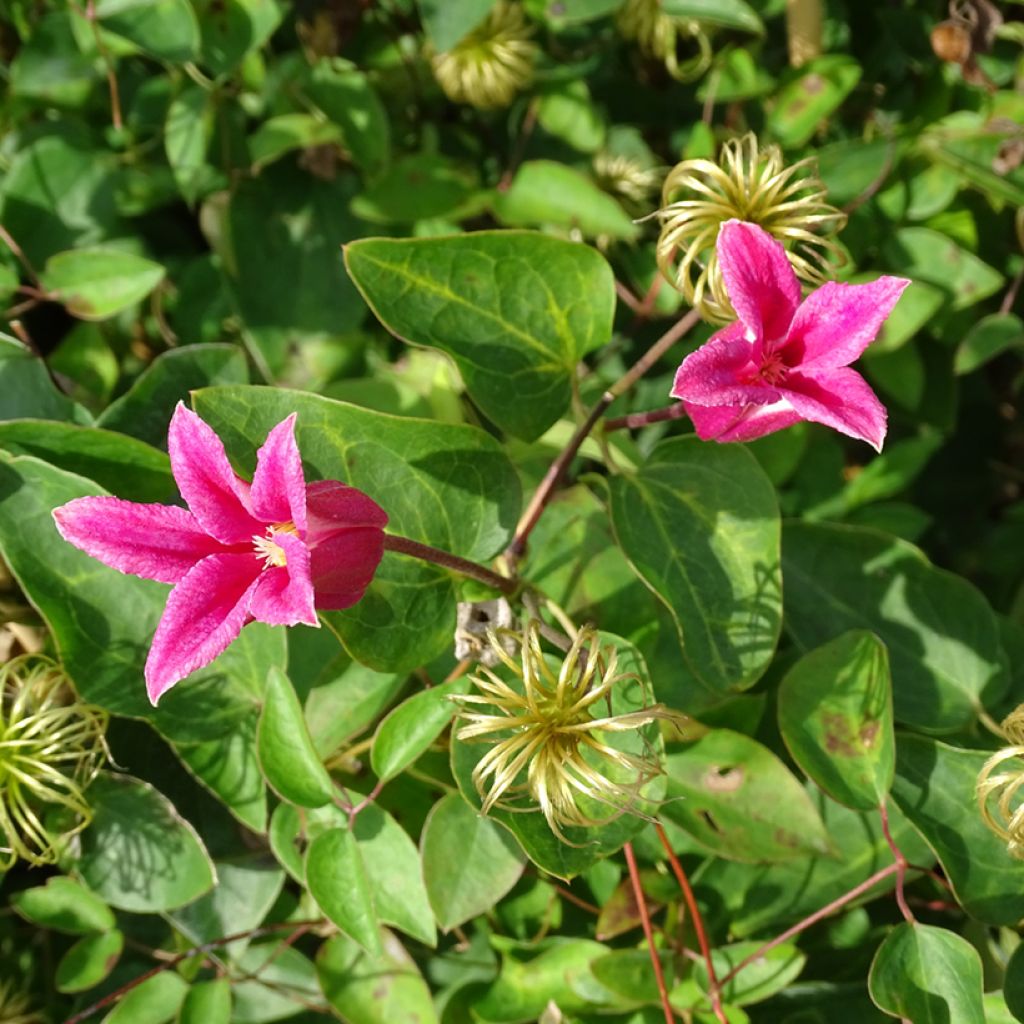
(268, 549)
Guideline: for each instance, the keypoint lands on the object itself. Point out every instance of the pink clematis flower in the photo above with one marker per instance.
(784, 361)
(273, 550)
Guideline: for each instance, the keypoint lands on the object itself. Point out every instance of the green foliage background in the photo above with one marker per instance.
(177, 181)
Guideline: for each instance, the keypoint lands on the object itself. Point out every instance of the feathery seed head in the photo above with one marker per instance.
(51, 747)
(667, 38)
(999, 783)
(753, 184)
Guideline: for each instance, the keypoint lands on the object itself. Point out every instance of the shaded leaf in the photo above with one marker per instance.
(88, 961)
(64, 905)
(96, 283)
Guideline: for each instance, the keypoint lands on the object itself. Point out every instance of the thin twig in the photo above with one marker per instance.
(366, 801)
(413, 548)
(516, 157)
(645, 920)
(115, 95)
(627, 298)
(19, 254)
(636, 420)
(831, 908)
(561, 463)
(714, 987)
(901, 864)
(1011, 293)
(206, 947)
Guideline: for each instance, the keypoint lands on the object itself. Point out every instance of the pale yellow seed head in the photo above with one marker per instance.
(681, 44)
(16, 1005)
(999, 784)
(51, 747)
(549, 733)
(491, 65)
(750, 183)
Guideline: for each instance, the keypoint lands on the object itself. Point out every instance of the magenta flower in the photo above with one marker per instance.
(271, 551)
(784, 361)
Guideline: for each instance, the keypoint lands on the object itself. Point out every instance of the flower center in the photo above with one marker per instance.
(267, 547)
(773, 369)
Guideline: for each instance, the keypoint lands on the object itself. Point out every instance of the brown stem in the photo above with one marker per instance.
(206, 947)
(627, 298)
(19, 254)
(413, 548)
(836, 904)
(636, 420)
(645, 920)
(1011, 293)
(115, 95)
(516, 157)
(557, 468)
(365, 802)
(900, 865)
(714, 987)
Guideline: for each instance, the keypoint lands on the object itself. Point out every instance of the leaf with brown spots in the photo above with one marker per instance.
(835, 715)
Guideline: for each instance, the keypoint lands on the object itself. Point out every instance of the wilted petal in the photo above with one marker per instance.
(838, 321)
(740, 422)
(278, 487)
(217, 497)
(720, 372)
(331, 505)
(284, 594)
(157, 542)
(343, 566)
(204, 613)
(841, 399)
(762, 286)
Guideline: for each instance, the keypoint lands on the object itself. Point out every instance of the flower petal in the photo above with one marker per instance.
(841, 399)
(343, 566)
(740, 422)
(157, 542)
(284, 594)
(720, 371)
(838, 321)
(204, 613)
(217, 497)
(332, 505)
(278, 487)
(762, 286)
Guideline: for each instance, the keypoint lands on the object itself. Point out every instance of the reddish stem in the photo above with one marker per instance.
(645, 920)
(901, 865)
(636, 420)
(714, 987)
(413, 548)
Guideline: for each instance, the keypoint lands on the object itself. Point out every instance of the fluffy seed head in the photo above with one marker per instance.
(626, 178)
(748, 183)
(491, 65)
(51, 747)
(681, 44)
(549, 733)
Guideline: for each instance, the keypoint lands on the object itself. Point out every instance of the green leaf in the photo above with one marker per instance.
(935, 789)
(917, 307)
(58, 193)
(942, 637)
(287, 755)
(51, 67)
(410, 728)
(166, 29)
(210, 717)
(811, 96)
(282, 233)
(728, 13)
(835, 715)
(1013, 983)
(759, 980)
(516, 311)
(927, 975)
(447, 21)
(560, 14)
(231, 29)
(65, 906)
(155, 1001)
(207, 1002)
(187, 133)
(137, 471)
(145, 409)
(586, 846)
(469, 861)
(699, 523)
(344, 94)
(275, 974)
(567, 111)
(88, 961)
(96, 283)
(928, 255)
(27, 390)
(139, 854)
(381, 989)
(414, 188)
(989, 337)
(548, 194)
(740, 801)
(442, 484)
(337, 881)
(287, 132)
